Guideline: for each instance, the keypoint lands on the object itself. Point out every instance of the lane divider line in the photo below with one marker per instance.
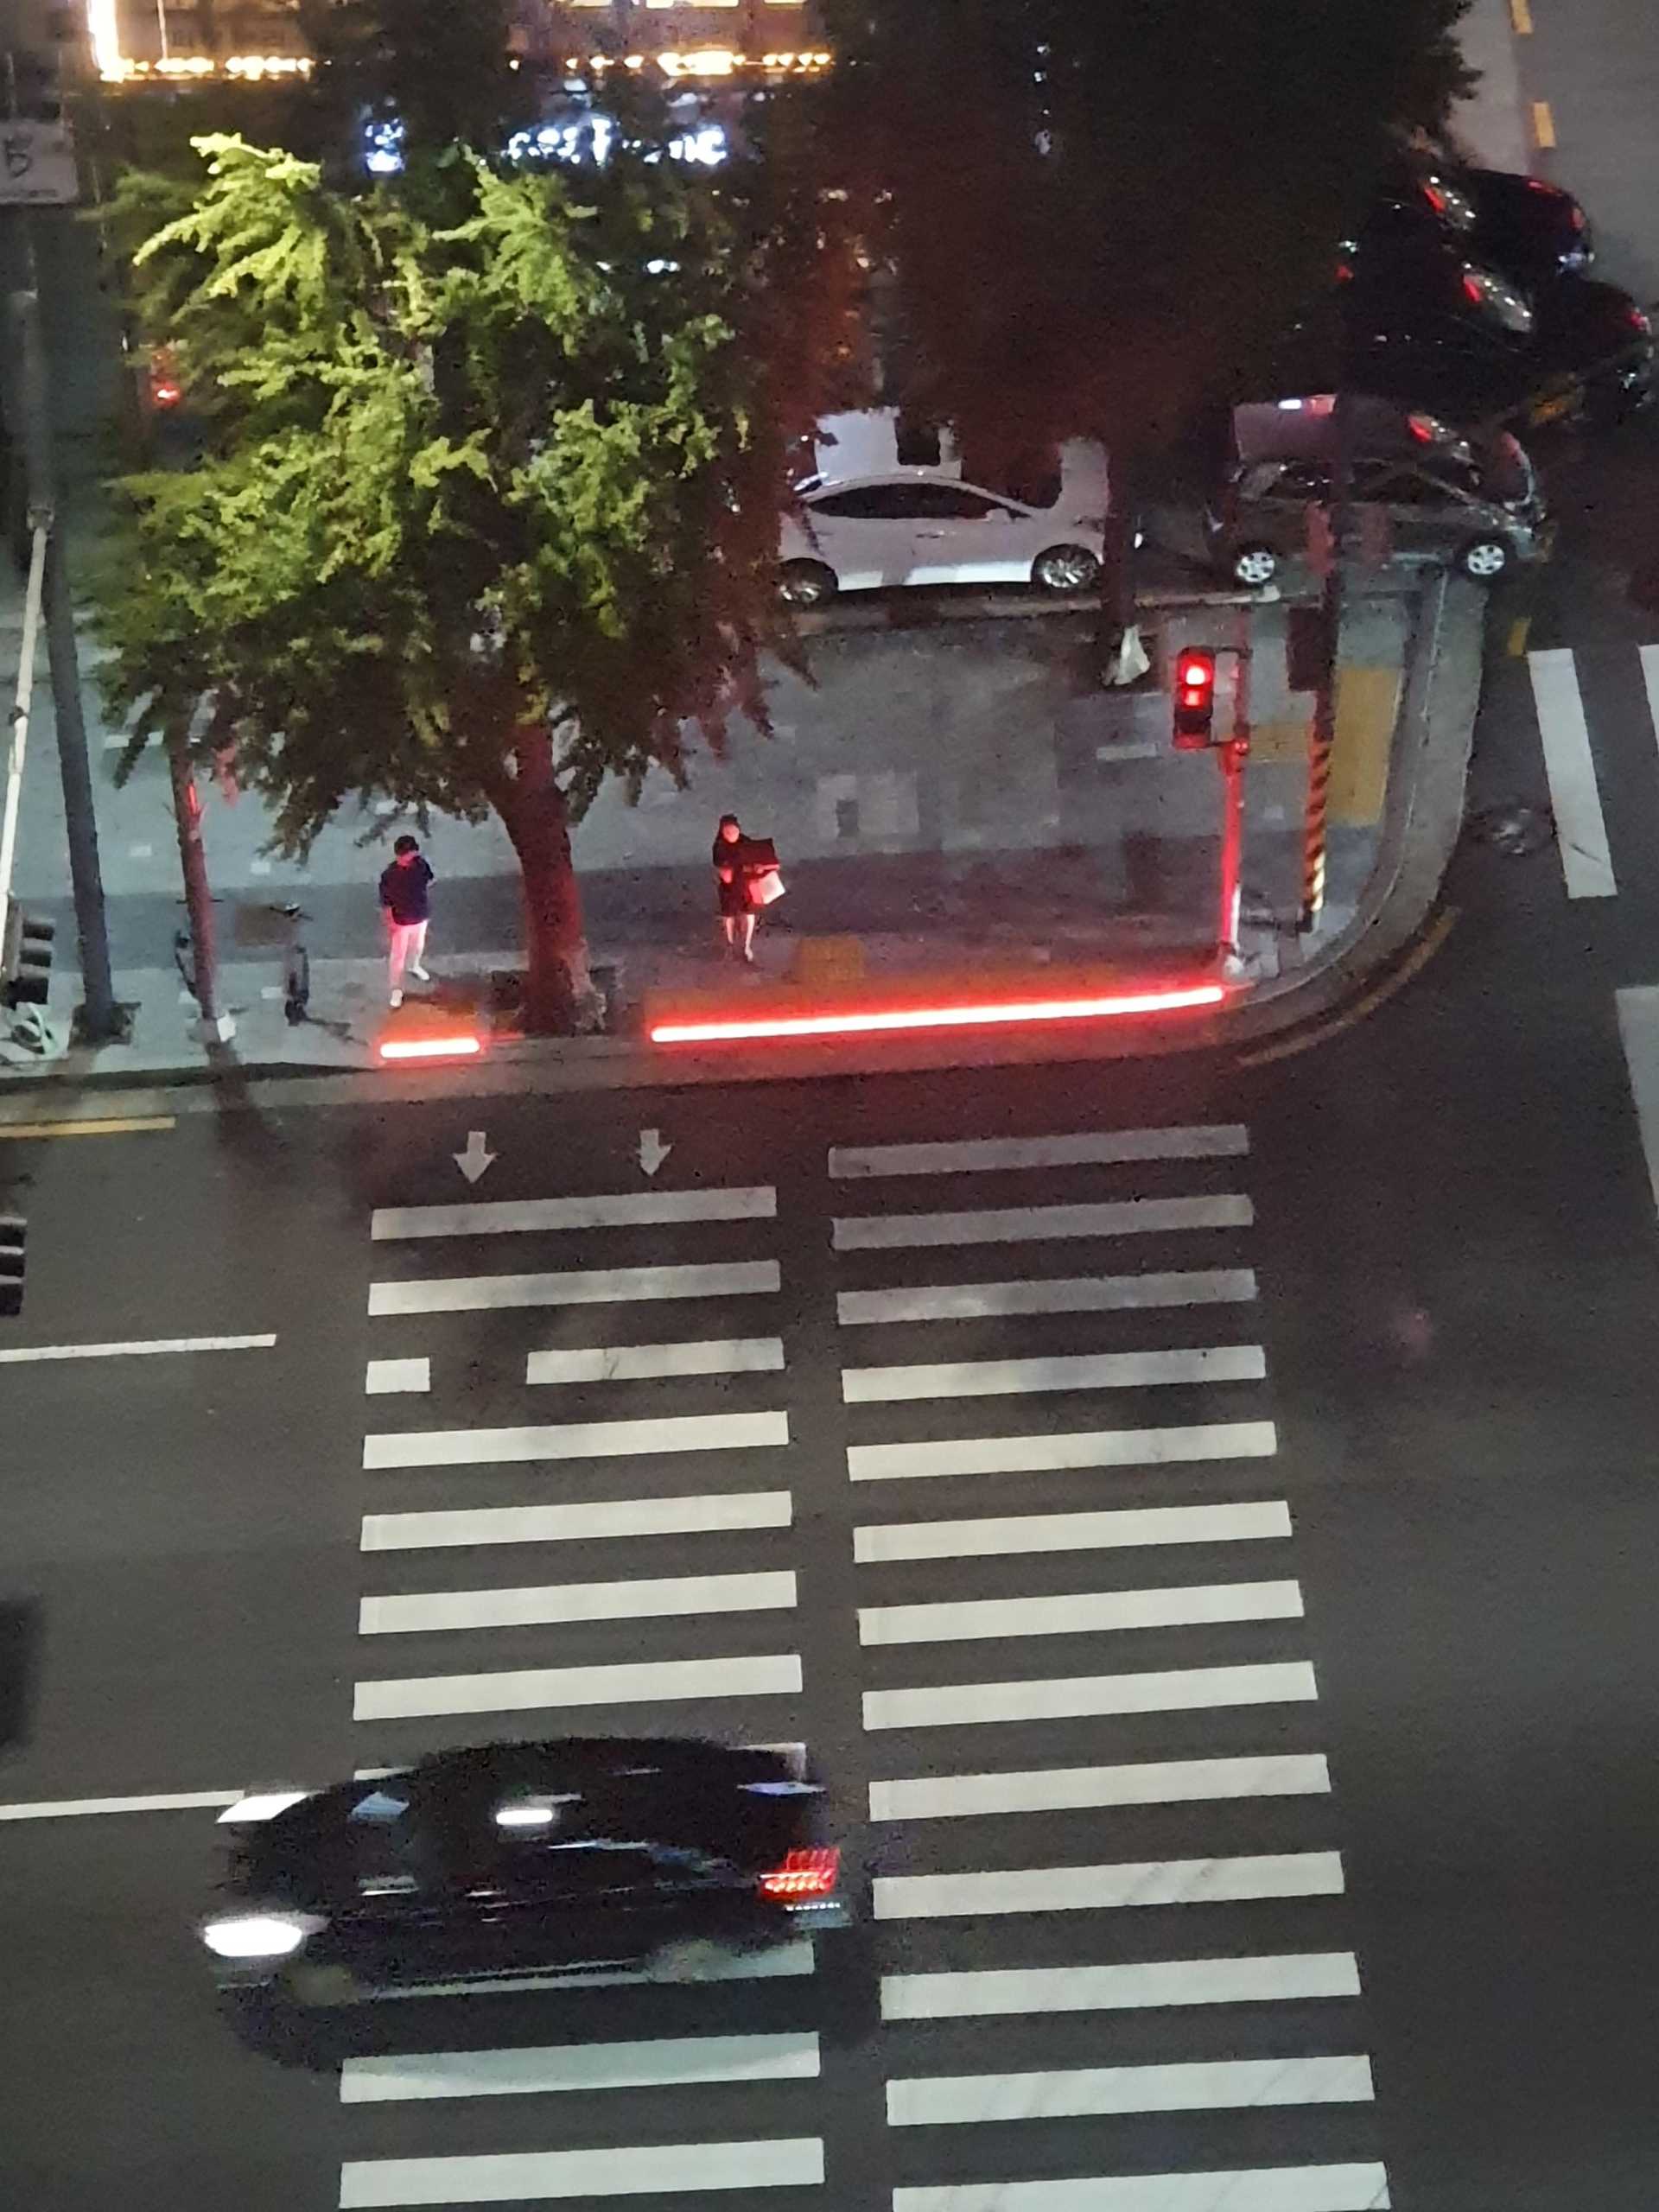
(127, 1125)
(142, 1348)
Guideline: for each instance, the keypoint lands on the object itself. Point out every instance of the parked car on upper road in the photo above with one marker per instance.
(1531, 230)
(1445, 496)
(927, 526)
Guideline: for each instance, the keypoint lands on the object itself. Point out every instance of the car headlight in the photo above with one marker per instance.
(259, 1935)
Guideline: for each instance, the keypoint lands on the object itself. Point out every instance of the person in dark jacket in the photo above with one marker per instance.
(404, 901)
(737, 862)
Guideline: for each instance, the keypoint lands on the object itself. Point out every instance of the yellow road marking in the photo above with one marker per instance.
(1521, 16)
(1520, 631)
(122, 1127)
(1543, 124)
(1413, 964)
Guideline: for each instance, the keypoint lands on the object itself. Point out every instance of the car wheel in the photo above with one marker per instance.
(806, 583)
(1066, 567)
(319, 1987)
(693, 1959)
(1486, 560)
(1255, 566)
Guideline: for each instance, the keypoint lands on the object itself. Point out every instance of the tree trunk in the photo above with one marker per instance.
(198, 895)
(1119, 654)
(558, 990)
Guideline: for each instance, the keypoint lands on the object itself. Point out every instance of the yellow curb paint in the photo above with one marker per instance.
(1413, 964)
(127, 1126)
(1520, 631)
(1543, 125)
(1368, 708)
(1521, 16)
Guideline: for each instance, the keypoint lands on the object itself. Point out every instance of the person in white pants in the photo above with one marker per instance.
(404, 901)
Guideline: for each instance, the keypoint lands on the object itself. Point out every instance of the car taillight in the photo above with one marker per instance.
(803, 1874)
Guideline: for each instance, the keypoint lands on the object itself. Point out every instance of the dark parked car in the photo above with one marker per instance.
(1412, 318)
(1529, 229)
(1445, 496)
(515, 1863)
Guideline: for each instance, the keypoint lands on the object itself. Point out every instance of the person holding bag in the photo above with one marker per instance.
(747, 878)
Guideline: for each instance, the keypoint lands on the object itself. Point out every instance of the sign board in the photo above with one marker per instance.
(37, 165)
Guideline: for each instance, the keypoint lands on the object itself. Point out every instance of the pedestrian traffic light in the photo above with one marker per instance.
(13, 1236)
(26, 959)
(1195, 701)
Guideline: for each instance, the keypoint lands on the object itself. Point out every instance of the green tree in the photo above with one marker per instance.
(489, 509)
(1100, 213)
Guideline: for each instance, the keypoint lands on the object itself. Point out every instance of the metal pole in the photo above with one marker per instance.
(1315, 832)
(20, 719)
(99, 1018)
(1231, 758)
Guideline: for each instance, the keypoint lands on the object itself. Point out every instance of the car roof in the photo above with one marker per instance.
(748, 1804)
(1304, 429)
(952, 480)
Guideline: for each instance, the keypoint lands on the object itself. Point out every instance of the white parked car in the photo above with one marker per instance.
(927, 526)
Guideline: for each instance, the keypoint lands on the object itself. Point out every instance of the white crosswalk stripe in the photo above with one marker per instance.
(533, 2177)
(980, 1301)
(1068, 1788)
(676, 2062)
(944, 2100)
(1155, 1985)
(957, 1620)
(1098, 1889)
(1273, 2189)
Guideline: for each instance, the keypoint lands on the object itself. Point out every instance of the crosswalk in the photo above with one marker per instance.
(1581, 736)
(1106, 1885)
(1111, 1890)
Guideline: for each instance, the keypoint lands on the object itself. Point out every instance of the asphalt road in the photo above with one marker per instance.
(1447, 1260)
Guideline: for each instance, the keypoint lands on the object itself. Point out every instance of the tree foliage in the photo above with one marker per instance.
(489, 508)
(1101, 214)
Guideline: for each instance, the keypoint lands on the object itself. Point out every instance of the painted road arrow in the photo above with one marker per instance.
(476, 1158)
(652, 1151)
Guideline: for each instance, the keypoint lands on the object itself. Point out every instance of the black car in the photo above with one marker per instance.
(518, 1863)
(1412, 318)
(1531, 230)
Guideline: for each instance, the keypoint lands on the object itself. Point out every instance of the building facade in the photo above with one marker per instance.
(138, 41)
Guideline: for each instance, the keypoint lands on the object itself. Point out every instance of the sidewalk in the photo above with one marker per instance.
(955, 799)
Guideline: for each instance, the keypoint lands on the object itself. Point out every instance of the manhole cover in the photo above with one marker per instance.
(1513, 827)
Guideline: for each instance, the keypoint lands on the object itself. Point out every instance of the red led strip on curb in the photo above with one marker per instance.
(939, 1017)
(430, 1048)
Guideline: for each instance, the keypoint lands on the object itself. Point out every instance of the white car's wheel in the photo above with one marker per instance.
(1255, 566)
(1066, 567)
(1486, 560)
(806, 583)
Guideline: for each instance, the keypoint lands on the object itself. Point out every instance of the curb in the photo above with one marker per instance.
(1434, 741)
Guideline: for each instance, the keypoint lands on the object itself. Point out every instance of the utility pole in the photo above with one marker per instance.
(1315, 826)
(99, 1020)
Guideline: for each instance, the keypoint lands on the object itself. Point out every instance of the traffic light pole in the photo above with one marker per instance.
(100, 1019)
(1231, 757)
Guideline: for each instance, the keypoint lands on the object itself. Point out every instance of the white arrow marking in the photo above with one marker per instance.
(652, 1151)
(476, 1158)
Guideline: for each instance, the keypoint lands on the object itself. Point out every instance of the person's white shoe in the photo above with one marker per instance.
(396, 998)
(419, 973)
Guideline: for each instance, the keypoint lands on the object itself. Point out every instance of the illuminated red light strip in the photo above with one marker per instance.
(430, 1048)
(939, 1017)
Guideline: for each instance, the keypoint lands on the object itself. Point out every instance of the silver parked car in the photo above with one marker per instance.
(1435, 493)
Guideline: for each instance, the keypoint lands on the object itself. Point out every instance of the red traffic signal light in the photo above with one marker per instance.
(1195, 700)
